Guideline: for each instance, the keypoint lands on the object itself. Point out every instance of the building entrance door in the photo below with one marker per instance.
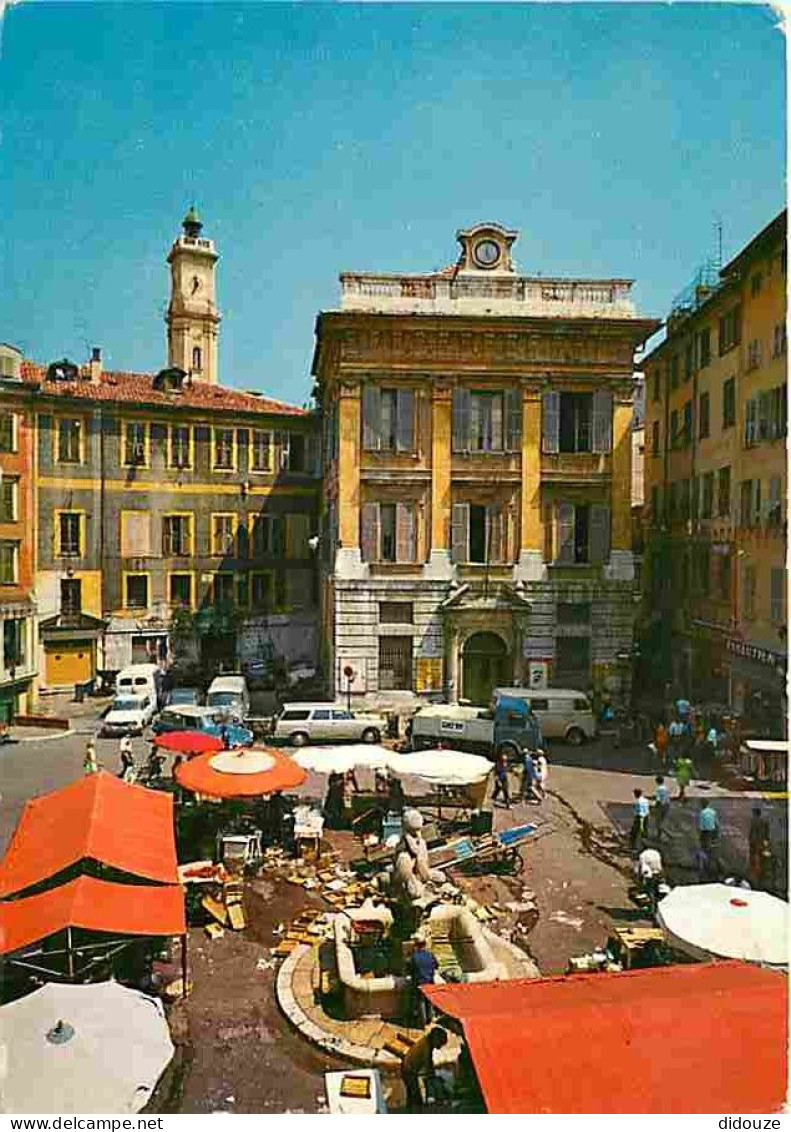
(486, 664)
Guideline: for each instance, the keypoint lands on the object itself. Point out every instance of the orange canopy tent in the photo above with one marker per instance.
(246, 773)
(97, 817)
(695, 1038)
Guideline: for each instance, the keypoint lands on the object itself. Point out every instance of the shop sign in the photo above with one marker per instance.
(429, 674)
(753, 652)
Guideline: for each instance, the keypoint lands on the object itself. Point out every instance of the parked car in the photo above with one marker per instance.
(299, 724)
(561, 712)
(229, 692)
(139, 680)
(179, 696)
(128, 715)
(213, 721)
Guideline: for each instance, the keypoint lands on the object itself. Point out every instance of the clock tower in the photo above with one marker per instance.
(193, 320)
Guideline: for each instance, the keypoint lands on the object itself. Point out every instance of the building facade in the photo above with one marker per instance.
(476, 527)
(716, 484)
(174, 515)
(17, 539)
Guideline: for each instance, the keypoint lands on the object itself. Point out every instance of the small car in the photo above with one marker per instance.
(300, 723)
(128, 715)
(188, 717)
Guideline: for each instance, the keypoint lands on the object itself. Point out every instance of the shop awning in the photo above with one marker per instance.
(93, 905)
(98, 817)
(697, 1038)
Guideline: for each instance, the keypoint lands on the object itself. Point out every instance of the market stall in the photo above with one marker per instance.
(719, 921)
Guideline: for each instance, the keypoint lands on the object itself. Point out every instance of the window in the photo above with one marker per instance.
(136, 591)
(70, 534)
(176, 536)
(704, 347)
(223, 533)
(389, 532)
(778, 411)
(574, 613)
(583, 533)
(8, 440)
(297, 534)
(222, 589)
(704, 412)
(707, 502)
(293, 452)
(395, 663)
(261, 591)
(487, 421)
(754, 354)
(395, 613)
(778, 596)
(656, 517)
(655, 438)
(281, 595)
(261, 451)
(730, 330)
(180, 591)
(388, 419)
(477, 533)
(684, 500)
(9, 562)
(775, 508)
(687, 425)
(13, 643)
(69, 440)
(573, 658)
(135, 534)
(656, 385)
(9, 499)
(180, 446)
(267, 535)
(674, 433)
(750, 422)
(223, 449)
(729, 403)
(672, 502)
(725, 577)
(242, 591)
(674, 372)
(764, 413)
(689, 360)
(779, 340)
(197, 359)
(724, 493)
(755, 284)
(296, 714)
(71, 596)
(748, 590)
(135, 438)
(577, 422)
(746, 504)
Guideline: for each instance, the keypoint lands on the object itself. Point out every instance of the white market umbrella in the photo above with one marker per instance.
(339, 759)
(448, 768)
(97, 1048)
(718, 920)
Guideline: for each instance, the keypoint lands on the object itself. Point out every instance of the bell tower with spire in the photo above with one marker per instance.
(193, 320)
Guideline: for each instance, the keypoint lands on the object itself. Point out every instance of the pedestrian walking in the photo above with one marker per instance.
(759, 841)
(423, 967)
(501, 780)
(661, 805)
(542, 774)
(661, 740)
(708, 825)
(127, 771)
(676, 734)
(684, 771)
(529, 778)
(639, 831)
(90, 764)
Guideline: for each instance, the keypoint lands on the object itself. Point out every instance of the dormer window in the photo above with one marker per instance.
(170, 380)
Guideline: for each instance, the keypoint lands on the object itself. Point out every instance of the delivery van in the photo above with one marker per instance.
(562, 712)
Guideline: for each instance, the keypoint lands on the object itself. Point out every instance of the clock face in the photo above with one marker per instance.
(487, 253)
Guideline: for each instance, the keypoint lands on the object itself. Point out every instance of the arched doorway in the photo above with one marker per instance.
(486, 664)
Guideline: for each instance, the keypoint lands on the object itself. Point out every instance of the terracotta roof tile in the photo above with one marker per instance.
(137, 389)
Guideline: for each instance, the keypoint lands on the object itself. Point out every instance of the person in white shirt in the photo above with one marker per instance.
(542, 772)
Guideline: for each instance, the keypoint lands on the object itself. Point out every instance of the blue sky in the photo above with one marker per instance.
(318, 138)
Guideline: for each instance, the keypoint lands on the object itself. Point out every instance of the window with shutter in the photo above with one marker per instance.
(388, 514)
(278, 534)
(566, 525)
(461, 419)
(297, 534)
(757, 503)
(405, 422)
(778, 595)
(600, 533)
(750, 422)
(371, 417)
(405, 532)
(513, 420)
(774, 516)
(135, 534)
(764, 413)
(496, 534)
(460, 535)
(550, 430)
(602, 421)
(369, 535)
(704, 412)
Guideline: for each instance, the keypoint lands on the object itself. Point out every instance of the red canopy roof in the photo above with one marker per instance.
(707, 1038)
(95, 905)
(99, 817)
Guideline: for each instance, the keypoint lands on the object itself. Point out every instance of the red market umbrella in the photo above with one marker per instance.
(189, 742)
(245, 773)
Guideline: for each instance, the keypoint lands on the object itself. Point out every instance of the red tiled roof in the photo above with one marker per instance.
(138, 389)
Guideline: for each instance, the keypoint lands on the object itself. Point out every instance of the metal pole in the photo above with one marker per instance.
(69, 953)
(184, 965)
(348, 693)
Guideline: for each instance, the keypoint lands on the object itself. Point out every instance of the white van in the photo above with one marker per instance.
(138, 680)
(561, 712)
(229, 692)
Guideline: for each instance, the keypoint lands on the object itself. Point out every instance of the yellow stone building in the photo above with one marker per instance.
(716, 484)
(476, 522)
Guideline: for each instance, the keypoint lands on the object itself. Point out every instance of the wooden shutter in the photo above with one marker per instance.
(495, 533)
(602, 421)
(513, 420)
(313, 455)
(277, 535)
(405, 532)
(461, 420)
(764, 412)
(369, 536)
(371, 417)
(599, 536)
(565, 519)
(460, 532)
(550, 440)
(750, 426)
(757, 503)
(775, 502)
(497, 422)
(136, 534)
(405, 420)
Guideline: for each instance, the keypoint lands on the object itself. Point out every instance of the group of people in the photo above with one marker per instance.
(128, 768)
(535, 773)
